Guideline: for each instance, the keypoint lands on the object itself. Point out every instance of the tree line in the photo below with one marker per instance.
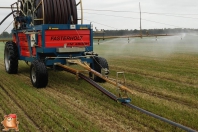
(6, 35)
(145, 32)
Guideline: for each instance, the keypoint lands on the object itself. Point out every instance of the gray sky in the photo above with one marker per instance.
(170, 14)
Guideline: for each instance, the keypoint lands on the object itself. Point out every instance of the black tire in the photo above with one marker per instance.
(11, 57)
(98, 64)
(38, 74)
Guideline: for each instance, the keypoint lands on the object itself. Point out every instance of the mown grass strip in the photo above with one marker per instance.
(10, 106)
(42, 113)
(161, 83)
(57, 107)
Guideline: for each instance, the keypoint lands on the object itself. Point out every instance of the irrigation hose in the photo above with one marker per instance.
(7, 16)
(113, 97)
(54, 12)
(160, 118)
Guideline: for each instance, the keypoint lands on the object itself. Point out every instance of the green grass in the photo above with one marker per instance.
(166, 75)
(162, 74)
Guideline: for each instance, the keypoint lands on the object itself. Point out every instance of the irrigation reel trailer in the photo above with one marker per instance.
(46, 33)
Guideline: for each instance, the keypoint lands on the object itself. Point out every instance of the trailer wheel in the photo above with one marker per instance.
(99, 63)
(11, 57)
(38, 74)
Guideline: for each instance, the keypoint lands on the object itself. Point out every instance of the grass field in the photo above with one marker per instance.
(163, 75)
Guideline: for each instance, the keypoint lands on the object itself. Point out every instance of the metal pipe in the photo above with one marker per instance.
(37, 6)
(43, 12)
(81, 6)
(122, 87)
(7, 7)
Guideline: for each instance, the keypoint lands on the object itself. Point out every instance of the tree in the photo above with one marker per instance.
(5, 35)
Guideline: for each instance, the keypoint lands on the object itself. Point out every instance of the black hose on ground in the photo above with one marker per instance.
(160, 118)
(113, 97)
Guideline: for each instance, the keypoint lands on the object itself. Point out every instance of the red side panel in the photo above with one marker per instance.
(14, 38)
(34, 51)
(70, 38)
(39, 40)
(23, 45)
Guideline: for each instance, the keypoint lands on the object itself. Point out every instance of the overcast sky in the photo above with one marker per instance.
(155, 14)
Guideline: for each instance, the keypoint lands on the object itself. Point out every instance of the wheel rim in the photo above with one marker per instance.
(33, 75)
(7, 60)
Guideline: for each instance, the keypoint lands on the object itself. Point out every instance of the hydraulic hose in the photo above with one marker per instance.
(7, 16)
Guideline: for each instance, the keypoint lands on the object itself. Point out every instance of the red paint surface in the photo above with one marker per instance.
(70, 38)
(39, 40)
(33, 51)
(14, 38)
(23, 45)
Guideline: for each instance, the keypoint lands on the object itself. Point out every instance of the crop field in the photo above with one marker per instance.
(162, 74)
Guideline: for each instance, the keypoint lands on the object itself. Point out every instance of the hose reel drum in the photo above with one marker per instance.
(50, 11)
